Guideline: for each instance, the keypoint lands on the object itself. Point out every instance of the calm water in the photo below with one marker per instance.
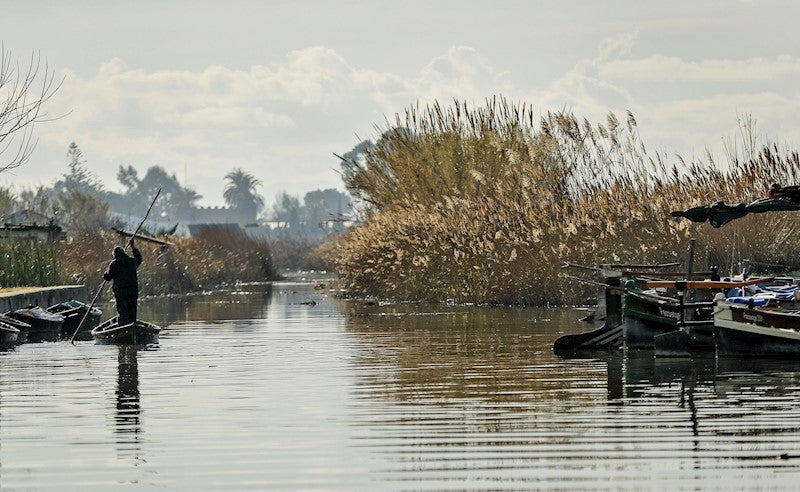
(264, 390)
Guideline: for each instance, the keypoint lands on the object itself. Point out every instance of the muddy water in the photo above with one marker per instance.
(283, 388)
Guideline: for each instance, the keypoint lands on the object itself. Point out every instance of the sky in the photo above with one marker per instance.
(277, 87)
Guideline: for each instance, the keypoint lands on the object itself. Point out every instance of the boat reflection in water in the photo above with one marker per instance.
(127, 422)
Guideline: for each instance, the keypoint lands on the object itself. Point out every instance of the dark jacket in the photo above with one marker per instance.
(123, 272)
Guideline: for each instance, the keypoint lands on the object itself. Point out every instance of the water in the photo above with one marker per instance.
(265, 389)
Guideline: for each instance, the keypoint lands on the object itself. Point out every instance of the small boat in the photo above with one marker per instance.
(137, 333)
(8, 336)
(73, 312)
(750, 330)
(44, 326)
(21, 326)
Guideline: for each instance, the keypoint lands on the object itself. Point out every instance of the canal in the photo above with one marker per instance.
(283, 387)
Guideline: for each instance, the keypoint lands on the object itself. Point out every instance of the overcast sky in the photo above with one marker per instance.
(276, 87)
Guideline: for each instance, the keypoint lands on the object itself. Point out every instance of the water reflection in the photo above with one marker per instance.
(352, 396)
(460, 389)
(246, 301)
(127, 423)
(451, 352)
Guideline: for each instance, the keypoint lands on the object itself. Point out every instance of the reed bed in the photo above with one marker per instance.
(27, 263)
(215, 258)
(482, 205)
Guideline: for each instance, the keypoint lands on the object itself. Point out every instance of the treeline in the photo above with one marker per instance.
(484, 204)
(80, 203)
(79, 200)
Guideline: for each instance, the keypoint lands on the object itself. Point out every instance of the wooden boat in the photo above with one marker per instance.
(606, 337)
(44, 326)
(747, 330)
(655, 321)
(137, 333)
(672, 328)
(8, 336)
(704, 284)
(73, 312)
(21, 326)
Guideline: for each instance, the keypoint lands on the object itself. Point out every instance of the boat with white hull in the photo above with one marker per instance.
(751, 331)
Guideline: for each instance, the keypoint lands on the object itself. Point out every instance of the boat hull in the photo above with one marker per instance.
(751, 332)
(22, 327)
(44, 326)
(138, 333)
(73, 312)
(645, 317)
(652, 323)
(686, 342)
(8, 336)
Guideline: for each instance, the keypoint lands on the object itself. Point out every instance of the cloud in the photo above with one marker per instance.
(682, 106)
(283, 121)
(661, 68)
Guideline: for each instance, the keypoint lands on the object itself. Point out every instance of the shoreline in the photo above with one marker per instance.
(20, 297)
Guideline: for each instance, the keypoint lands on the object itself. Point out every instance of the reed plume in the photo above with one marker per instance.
(482, 205)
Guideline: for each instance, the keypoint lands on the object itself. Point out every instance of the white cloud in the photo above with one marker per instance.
(682, 106)
(283, 121)
(663, 68)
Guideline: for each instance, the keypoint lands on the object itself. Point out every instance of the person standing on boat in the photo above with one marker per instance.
(122, 270)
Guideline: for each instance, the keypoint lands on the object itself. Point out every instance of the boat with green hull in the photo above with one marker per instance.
(665, 324)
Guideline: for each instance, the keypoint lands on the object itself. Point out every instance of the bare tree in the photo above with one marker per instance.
(23, 91)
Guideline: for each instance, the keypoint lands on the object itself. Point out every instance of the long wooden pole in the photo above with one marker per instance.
(89, 310)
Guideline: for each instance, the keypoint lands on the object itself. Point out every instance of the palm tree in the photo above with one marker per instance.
(240, 194)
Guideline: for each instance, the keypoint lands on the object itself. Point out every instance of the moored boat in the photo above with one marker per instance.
(747, 330)
(73, 312)
(137, 333)
(8, 336)
(654, 321)
(668, 325)
(44, 326)
(21, 326)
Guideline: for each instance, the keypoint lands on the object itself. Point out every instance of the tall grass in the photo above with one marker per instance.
(27, 263)
(213, 259)
(484, 204)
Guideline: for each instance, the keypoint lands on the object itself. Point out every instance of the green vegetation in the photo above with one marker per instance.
(484, 204)
(241, 195)
(23, 263)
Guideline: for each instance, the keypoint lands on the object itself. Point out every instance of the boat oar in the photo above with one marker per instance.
(102, 285)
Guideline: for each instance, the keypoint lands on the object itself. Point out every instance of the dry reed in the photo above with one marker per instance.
(483, 205)
(214, 258)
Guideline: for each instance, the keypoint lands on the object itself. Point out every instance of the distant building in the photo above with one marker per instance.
(215, 215)
(28, 224)
(199, 229)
